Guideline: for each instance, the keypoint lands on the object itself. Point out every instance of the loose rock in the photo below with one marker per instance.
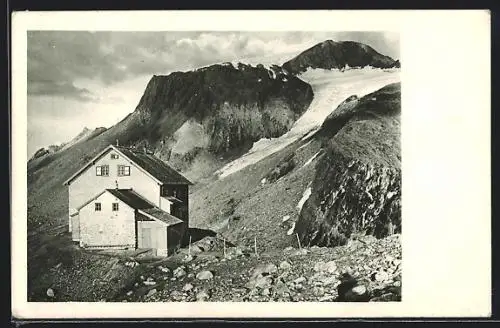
(202, 296)
(285, 265)
(299, 280)
(359, 290)
(318, 291)
(381, 276)
(179, 272)
(187, 287)
(264, 269)
(204, 275)
(50, 292)
(151, 292)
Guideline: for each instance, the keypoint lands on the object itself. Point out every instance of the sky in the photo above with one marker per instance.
(80, 79)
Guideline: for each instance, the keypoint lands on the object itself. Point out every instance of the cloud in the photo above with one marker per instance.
(58, 60)
(64, 89)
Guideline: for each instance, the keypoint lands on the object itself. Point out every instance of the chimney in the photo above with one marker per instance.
(117, 143)
(144, 149)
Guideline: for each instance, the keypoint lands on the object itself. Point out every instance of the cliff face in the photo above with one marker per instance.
(357, 186)
(330, 54)
(227, 107)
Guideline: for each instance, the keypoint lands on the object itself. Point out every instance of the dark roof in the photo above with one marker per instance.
(154, 166)
(162, 215)
(131, 198)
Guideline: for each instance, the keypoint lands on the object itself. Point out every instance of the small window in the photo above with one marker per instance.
(114, 156)
(102, 170)
(97, 206)
(123, 170)
(115, 206)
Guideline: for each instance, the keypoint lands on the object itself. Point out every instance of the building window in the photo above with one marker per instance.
(102, 170)
(115, 206)
(123, 170)
(97, 206)
(114, 156)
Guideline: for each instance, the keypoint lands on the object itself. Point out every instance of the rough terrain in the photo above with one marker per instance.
(366, 269)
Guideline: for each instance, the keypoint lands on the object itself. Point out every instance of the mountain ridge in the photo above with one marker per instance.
(330, 54)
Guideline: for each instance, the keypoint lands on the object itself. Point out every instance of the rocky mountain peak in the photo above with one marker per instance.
(331, 54)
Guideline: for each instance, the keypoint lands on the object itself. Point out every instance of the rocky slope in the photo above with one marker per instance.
(330, 54)
(366, 269)
(357, 185)
(45, 151)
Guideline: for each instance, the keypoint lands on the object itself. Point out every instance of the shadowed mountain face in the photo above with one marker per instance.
(357, 186)
(330, 54)
(227, 107)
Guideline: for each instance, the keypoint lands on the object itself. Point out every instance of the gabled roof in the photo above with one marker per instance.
(161, 215)
(149, 163)
(90, 200)
(131, 198)
(155, 166)
(135, 201)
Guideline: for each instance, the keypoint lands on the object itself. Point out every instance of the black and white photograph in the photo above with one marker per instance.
(215, 166)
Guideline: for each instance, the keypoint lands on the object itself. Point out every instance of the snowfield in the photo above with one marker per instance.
(331, 88)
(304, 198)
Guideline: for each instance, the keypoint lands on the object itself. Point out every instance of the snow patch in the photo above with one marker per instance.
(309, 161)
(272, 74)
(304, 145)
(313, 131)
(291, 230)
(263, 181)
(285, 218)
(304, 198)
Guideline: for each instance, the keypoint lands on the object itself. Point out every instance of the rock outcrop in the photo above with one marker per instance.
(357, 187)
(221, 108)
(338, 55)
